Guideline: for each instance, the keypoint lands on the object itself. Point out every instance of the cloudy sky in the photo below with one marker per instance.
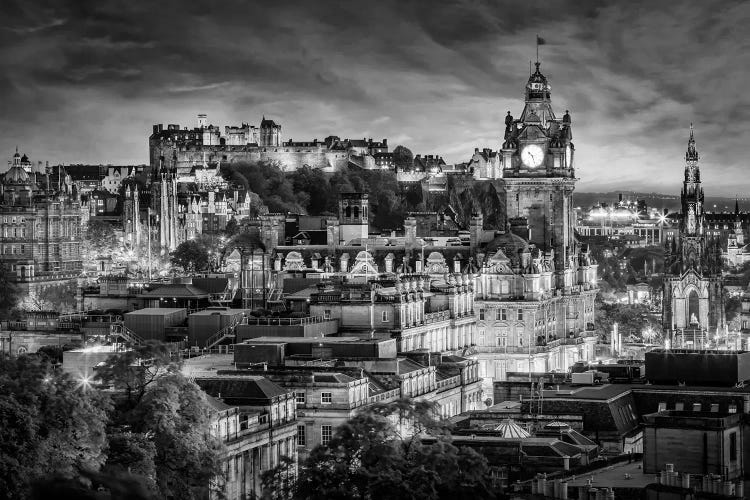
(83, 81)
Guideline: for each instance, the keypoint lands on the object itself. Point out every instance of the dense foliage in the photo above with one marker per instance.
(49, 425)
(10, 296)
(310, 191)
(190, 255)
(150, 440)
(369, 457)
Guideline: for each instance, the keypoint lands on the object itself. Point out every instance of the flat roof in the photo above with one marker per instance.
(222, 312)
(602, 392)
(309, 340)
(614, 476)
(99, 348)
(155, 311)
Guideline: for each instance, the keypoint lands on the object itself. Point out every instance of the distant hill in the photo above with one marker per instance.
(657, 200)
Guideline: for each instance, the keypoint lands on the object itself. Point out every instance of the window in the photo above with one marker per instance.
(481, 314)
(714, 407)
(327, 314)
(325, 398)
(696, 407)
(520, 315)
(502, 341)
(733, 446)
(300, 397)
(301, 438)
(662, 406)
(499, 314)
(385, 316)
(325, 434)
(679, 406)
(732, 408)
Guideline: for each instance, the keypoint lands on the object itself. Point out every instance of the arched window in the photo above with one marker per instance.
(693, 308)
(348, 212)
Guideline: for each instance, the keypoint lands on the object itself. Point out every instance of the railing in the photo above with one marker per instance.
(122, 331)
(434, 317)
(385, 396)
(225, 333)
(271, 321)
(454, 381)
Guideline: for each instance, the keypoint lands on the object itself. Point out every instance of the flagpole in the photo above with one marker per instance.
(537, 48)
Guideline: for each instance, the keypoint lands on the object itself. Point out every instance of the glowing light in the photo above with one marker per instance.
(84, 382)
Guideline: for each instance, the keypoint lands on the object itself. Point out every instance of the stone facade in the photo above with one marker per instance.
(182, 149)
(40, 225)
(693, 297)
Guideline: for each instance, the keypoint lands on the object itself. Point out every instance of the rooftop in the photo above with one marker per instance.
(622, 475)
(155, 311)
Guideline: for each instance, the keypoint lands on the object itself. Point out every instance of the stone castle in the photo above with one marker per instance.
(182, 149)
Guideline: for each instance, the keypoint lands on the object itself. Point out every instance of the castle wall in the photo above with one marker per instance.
(290, 158)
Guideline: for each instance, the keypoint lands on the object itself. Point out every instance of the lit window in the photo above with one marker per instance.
(696, 407)
(679, 406)
(325, 434)
(326, 398)
(732, 409)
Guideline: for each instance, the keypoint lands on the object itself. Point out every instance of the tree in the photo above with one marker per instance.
(134, 370)
(51, 425)
(403, 159)
(231, 228)
(160, 426)
(370, 458)
(101, 238)
(10, 296)
(190, 256)
(188, 458)
(280, 483)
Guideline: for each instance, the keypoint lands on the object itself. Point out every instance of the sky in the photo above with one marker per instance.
(84, 81)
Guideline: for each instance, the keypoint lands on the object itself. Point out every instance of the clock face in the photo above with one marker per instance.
(532, 155)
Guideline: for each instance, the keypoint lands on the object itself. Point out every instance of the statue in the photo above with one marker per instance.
(693, 319)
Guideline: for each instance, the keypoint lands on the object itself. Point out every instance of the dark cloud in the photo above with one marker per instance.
(84, 80)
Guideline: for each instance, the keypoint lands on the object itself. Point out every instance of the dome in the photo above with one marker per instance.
(509, 429)
(16, 175)
(510, 243)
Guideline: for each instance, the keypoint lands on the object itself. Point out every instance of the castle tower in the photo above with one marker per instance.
(538, 173)
(353, 217)
(270, 133)
(692, 282)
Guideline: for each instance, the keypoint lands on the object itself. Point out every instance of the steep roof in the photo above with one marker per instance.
(247, 389)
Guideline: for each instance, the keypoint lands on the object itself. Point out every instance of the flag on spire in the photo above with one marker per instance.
(539, 41)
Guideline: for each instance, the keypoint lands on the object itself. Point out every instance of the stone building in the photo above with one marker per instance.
(257, 422)
(693, 299)
(184, 148)
(40, 226)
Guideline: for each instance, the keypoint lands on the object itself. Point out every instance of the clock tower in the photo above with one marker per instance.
(538, 174)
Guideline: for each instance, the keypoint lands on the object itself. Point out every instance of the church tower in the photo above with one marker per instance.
(538, 173)
(692, 282)
(353, 217)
